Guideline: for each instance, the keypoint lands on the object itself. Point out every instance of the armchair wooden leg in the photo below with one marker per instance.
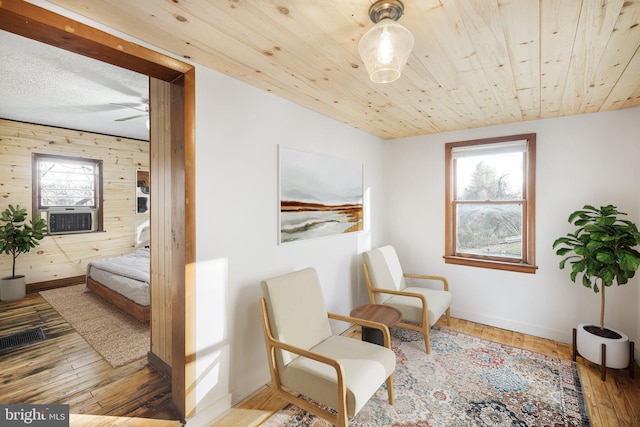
(390, 389)
(448, 317)
(343, 420)
(427, 339)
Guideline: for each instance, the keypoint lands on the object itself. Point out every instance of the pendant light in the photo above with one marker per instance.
(385, 48)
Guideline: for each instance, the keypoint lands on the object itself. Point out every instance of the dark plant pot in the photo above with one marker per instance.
(12, 288)
(589, 345)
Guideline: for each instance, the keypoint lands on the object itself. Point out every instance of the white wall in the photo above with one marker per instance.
(239, 129)
(588, 159)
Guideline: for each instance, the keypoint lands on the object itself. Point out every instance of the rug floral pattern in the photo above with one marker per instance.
(466, 381)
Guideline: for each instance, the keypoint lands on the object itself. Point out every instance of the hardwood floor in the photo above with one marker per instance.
(64, 369)
(614, 402)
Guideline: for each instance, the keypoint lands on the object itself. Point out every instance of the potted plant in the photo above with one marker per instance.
(17, 237)
(602, 250)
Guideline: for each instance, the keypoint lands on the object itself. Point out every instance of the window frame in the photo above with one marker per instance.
(526, 264)
(39, 209)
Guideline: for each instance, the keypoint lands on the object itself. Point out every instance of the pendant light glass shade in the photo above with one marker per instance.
(384, 49)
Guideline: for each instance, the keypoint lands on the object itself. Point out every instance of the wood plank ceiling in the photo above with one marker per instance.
(475, 63)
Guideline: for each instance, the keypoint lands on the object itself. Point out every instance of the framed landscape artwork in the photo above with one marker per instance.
(319, 195)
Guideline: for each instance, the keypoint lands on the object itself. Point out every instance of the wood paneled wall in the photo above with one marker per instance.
(172, 234)
(161, 202)
(63, 256)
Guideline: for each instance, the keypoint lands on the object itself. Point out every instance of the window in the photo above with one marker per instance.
(490, 203)
(68, 192)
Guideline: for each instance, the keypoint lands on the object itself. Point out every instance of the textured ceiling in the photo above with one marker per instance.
(49, 86)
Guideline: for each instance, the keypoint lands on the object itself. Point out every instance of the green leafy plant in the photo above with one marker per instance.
(602, 248)
(18, 237)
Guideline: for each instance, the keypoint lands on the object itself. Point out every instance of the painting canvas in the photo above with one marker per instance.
(319, 195)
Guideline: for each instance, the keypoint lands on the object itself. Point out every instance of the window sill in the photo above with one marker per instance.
(71, 233)
(496, 265)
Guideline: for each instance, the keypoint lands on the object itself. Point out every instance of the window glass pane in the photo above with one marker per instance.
(489, 177)
(66, 183)
(493, 230)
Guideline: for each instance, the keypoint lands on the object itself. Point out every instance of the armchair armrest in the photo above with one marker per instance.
(342, 387)
(273, 342)
(422, 298)
(366, 324)
(445, 284)
(402, 293)
(310, 355)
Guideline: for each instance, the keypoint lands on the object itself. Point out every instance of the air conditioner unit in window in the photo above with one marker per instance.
(71, 220)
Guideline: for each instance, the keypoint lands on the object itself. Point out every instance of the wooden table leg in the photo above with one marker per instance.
(632, 361)
(603, 366)
(372, 335)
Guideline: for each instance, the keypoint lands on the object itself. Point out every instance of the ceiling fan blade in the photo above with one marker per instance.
(132, 106)
(132, 117)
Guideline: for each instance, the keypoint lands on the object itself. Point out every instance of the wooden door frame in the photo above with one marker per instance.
(27, 20)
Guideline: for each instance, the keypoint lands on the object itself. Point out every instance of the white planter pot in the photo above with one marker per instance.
(12, 288)
(590, 347)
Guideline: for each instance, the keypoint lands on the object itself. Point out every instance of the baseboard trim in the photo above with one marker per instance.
(496, 322)
(212, 412)
(159, 365)
(56, 283)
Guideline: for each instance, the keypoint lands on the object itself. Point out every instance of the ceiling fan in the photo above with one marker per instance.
(142, 107)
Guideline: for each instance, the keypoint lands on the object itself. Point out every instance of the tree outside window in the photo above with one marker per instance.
(490, 206)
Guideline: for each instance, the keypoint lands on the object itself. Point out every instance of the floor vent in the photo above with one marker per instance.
(28, 336)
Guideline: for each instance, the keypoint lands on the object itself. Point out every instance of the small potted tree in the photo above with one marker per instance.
(17, 237)
(602, 250)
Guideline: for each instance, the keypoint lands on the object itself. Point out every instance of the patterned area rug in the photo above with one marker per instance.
(115, 335)
(466, 381)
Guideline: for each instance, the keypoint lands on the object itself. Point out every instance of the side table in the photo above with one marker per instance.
(377, 313)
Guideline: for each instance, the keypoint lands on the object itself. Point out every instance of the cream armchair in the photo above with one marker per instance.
(305, 358)
(420, 307)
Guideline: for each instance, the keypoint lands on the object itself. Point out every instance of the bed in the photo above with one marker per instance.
(123, 281)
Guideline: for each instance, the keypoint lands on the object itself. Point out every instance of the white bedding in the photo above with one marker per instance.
(127, 275)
